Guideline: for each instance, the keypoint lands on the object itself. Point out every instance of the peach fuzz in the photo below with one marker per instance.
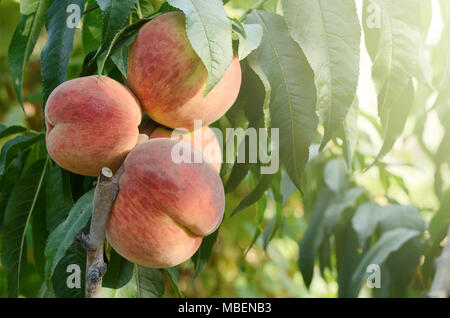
(163, 209)
(91, 124)
(169, 78)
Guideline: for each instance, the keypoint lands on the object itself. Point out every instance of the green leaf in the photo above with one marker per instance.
(32, 14)
(149, 282)
(119, 273)
(388, 243)
(312, 240)
(394, 45)
(366, 220)
(202, 256)
(209, 31)
(92, 29)
(40, 233)
(11, 130)
(58, 48)
(57, 205)
(21, 205)
(120, 56)
(261, 188)
(350, 133)
(173, 275)
(338, 205)
(280, 199)
(249, 40)
(115, 15)
(12, 148)
(441, 220)
(261, 209)
(7, 182)
(328, 32)
(65, 272)
(63, 236)
(401, 216)
(293, 94)
(237, 175)
(335, 175)
(396, 115)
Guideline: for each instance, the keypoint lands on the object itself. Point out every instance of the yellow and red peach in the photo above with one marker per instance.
(91, 124)
(203, 139)
(169, 78)
(163, 209)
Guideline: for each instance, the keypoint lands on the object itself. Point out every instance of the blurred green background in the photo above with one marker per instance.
(408, 178)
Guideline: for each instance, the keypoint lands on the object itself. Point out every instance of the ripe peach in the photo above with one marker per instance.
(163, 209)
(169, 78)
(91, 124)
(207, 142)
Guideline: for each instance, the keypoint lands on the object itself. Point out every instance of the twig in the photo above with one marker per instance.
(104, 196)
(441, 283)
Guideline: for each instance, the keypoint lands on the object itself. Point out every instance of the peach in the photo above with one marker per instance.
(207, 142)
(169, 78)
(164, 209)
(91, 124)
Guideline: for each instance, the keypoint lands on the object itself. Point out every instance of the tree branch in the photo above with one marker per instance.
(441, 283)
(104, 196)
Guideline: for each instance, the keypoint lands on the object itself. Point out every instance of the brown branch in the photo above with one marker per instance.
(106, 191)
(441, 283)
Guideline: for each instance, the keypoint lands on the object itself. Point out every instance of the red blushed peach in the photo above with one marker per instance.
(169, 78)
(163, 209)
(206, 142)
(91, 124)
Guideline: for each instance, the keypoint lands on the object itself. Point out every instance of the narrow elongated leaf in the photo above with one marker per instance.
(350, 133)
(57, 205)
(401, 216)
(441, 220)
(335, 175)
(394, 45)
(40, 233)
(32, 15)
(311, 241)
(396, 116)
(260, 211)
(209, 31)
(119, 273)
(389, 242)
(250, 40)
(56, 53)
(13, 147)
(329, 33)
(173, 275)
(279, 199)
(11, 130)
(92, 29)
(149, 282)
(69, 275)
(365, 221)
(21, 205)
(256, 194)
(120, 57)
(115, 15)
(293, 94)
(338, 205)
(63, 236)
(202, 256)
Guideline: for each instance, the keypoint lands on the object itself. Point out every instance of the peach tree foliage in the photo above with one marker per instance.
(300, 66)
